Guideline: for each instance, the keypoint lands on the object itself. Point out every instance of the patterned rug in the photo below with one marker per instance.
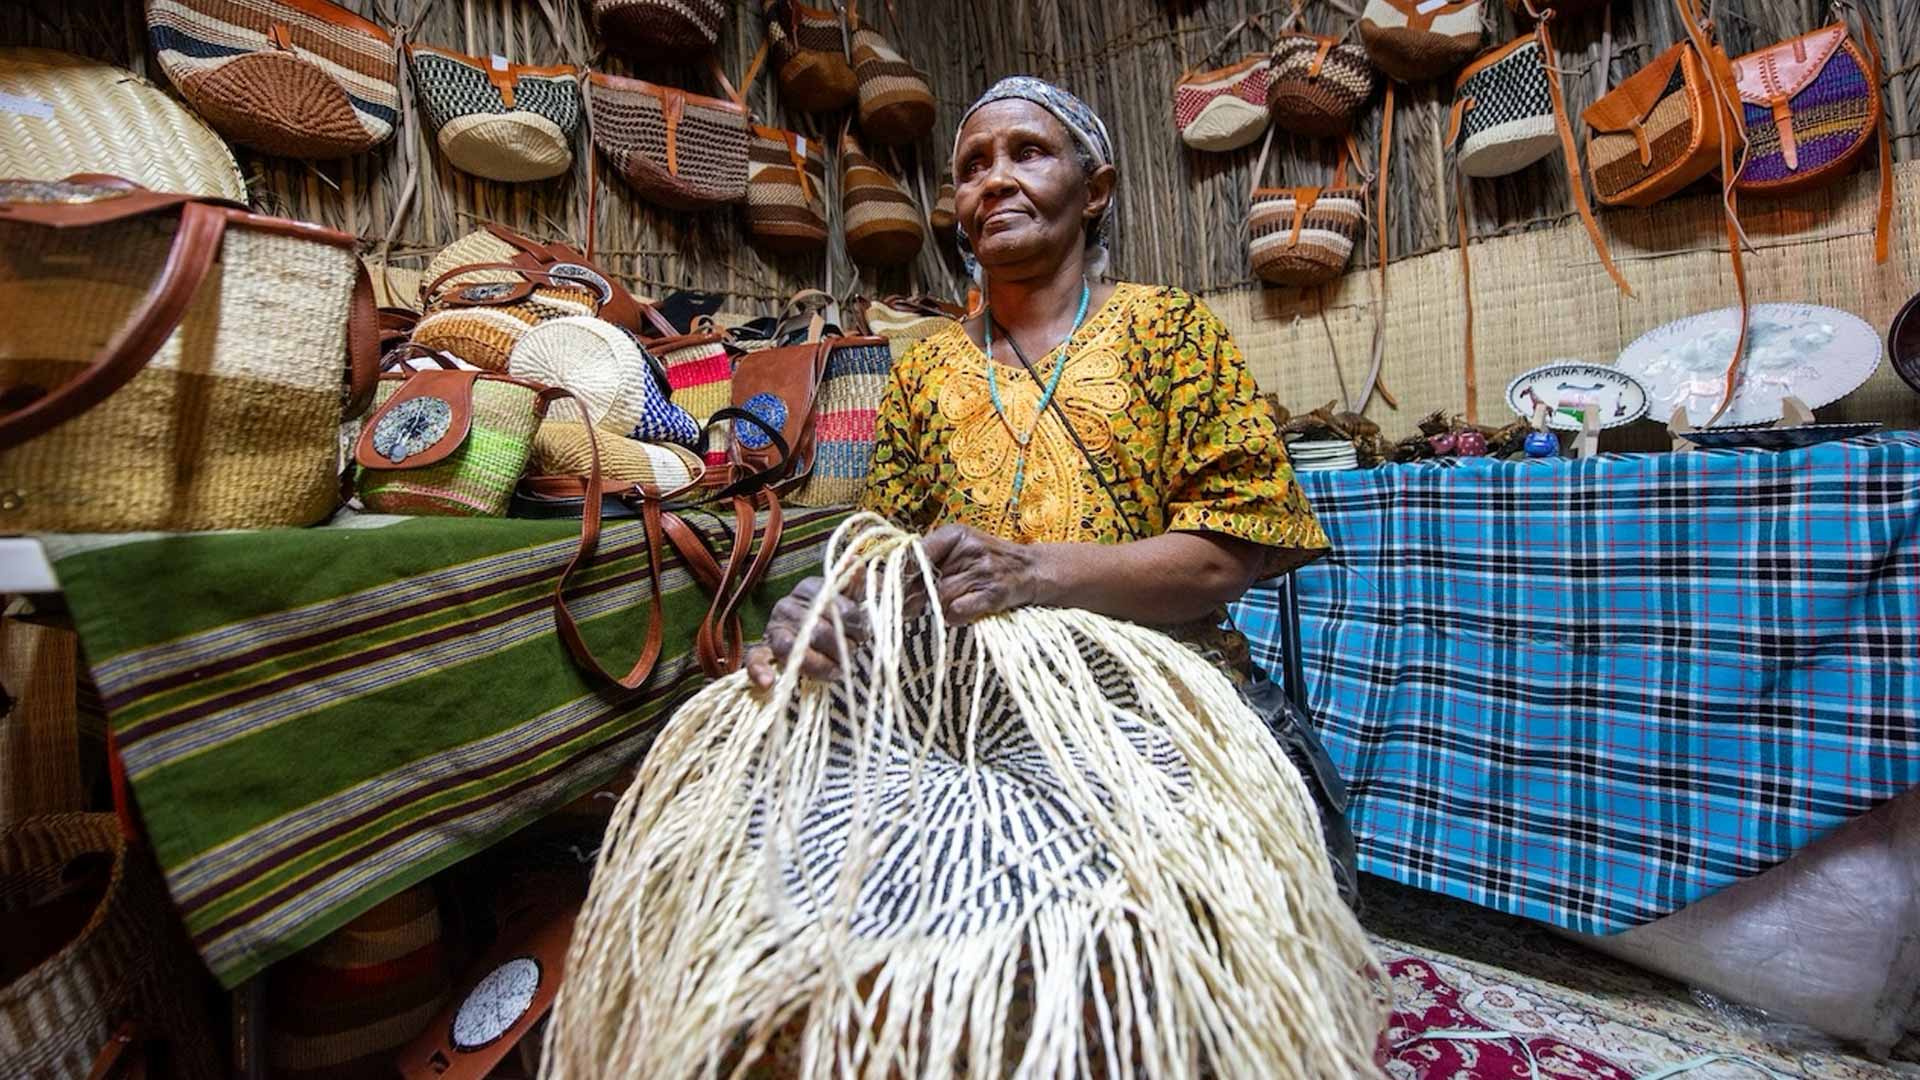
(1479, 977)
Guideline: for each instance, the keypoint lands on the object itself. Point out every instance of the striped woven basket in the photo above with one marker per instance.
(896, 104)
(648, 27)
(810, 56)
(883, 228)
(88, 942)
(560, 448)
(786, 192)
(465, 322)
(1305, 235)
(495, 119)
(74, 115)
(476, 479)
(1318, 85)
(1812, 105)
(849, 396)
(298, 78)
(678, 150)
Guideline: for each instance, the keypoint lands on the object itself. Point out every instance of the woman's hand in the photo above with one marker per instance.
(981, 574)
(823, 658)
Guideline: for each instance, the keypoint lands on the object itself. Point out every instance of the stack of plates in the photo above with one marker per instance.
(1329, 454)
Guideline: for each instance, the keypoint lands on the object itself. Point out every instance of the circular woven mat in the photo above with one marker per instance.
(75, 115)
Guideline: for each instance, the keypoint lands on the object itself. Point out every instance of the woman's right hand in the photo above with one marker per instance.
(823, 659)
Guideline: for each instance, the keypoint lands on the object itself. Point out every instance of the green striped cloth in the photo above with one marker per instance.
(315, 719)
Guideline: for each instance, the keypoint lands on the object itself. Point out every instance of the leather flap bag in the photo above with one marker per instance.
(1658, 131)
(448, 441)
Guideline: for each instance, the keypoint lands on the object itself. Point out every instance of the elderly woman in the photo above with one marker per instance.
(1078, 443)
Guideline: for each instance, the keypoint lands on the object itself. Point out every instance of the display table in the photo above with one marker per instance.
(1592, 692)
(314, 719)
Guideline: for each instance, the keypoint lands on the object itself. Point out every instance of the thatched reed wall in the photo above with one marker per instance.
(1183, 211)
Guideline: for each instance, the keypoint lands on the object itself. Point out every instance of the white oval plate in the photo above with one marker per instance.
(1817, 354)
(1577, 384)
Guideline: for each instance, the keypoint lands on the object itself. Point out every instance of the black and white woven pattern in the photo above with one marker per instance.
(1510, 90)
(450, 89)
(991, 830)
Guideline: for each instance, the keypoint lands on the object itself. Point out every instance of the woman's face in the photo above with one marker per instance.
(1020, 191)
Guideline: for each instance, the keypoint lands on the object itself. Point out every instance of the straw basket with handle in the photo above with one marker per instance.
(137, 391)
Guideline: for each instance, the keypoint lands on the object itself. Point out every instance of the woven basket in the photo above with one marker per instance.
(1417, 40)
(606, 369)
(125, 957)
(944, 215)
(298, 78)
(649, 27)
(1824, 85)
(73, 115)
(1225, 108)
(1305, 235)
(1318, 84)
(896, 104)
(560, 449)
(1505, 109)
(485, 334)
(786, 192)
(810, 57)
(699, 371)
(678, 150)
(883, 228)
(214, 431)
(501, 121)
(478, 477)
(849, 395)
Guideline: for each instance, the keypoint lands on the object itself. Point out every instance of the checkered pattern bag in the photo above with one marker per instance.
(1503, 111)
(1225, 108)
(1318, 84)
(650, 27)
(786, 192)
(679, 150)
(495, 119)
(298, 78)
(810, 51)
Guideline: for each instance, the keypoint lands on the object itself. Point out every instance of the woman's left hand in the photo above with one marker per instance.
(981, 574)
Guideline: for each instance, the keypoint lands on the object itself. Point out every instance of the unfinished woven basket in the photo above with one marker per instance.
(75, 115)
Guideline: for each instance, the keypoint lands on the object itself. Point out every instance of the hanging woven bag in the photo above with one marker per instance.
(1417, 40)
(944, 215)
(786, 192)
(495, 119)
(896, 104)
(297, 78)
(1503, 110)
(657, 27)
(96, 976)
(678, 150)
(812, 57)
(883, 227)
(1224, 108)
(117, 318)
(1813, 107)
(1304, 235)
(1318, 85)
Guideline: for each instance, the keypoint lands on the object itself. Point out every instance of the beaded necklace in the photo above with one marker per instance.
(1040, 410)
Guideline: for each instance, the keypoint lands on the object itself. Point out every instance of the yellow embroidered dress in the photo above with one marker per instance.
(1156, 391)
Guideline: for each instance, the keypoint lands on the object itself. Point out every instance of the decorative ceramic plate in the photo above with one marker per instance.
(1817, 354)
(1575, 385)
(1775, 438)
(1903, 343)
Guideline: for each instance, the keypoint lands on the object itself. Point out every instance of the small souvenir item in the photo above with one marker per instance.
(1443, 443)
(1469, 443)
(1542, 444)
(1817, 354)
(1570, 389)
(1776, 438)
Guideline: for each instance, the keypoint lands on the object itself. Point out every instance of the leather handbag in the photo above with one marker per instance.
(495, 119)
(557, 263)
(1417, 40)
(812, 57)
(772, 431)
(298, 78)
(786, 192)
(896, 103)
(677, 149)
(883, 227)
(661, 27)
(1813, 107)
(1318, 84)
(448, 441)
(1304, 235)
(118, 326)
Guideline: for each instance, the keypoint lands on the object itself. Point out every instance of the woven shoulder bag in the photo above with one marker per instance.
(883, 227)
(678, 150)
(118, 325)
(812, 57)
(1304, 235)
(1318, 84)
(1224, 108)
(1813, 108)
(843, 427)
(786, 192)
(661, 27)
(297, 78)
(495, 119)
(1417, 40)
(896, 103)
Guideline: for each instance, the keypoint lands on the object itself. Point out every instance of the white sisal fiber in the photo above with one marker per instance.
(780, 868)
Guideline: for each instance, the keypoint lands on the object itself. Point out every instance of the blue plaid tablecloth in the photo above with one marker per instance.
(1592, 692)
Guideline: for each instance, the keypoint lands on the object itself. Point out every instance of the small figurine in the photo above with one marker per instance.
(1443, 443)
(1469, 443)
(1542, 444)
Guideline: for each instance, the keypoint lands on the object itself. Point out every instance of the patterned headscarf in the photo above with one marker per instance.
(1087, 131)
